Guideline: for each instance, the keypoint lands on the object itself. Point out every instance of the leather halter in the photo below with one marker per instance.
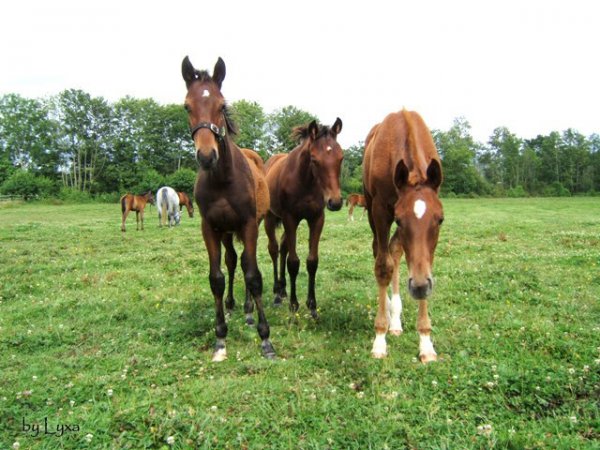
(218, 132)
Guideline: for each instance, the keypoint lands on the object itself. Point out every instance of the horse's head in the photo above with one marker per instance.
(418, 214)
(326, 157)
(150, 197)
(207, 111)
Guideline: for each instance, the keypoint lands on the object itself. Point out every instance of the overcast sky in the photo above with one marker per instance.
(533, 66)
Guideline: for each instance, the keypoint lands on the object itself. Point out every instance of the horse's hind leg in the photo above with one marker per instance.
(231, 263)
(253, 279)
(137, 221)
(395, 304)
(312, 262)
(123, 219)
(270, 227)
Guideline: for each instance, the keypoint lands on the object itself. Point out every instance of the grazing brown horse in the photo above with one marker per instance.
(355, 200)
(301, 184)
(231, 194)
(137, 203)
(184, 200)
(402, 176)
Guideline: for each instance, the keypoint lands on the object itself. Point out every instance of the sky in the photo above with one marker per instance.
(531, 66)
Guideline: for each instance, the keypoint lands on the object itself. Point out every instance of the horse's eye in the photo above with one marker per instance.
(441, 221)
(399, 223)
(187, 107)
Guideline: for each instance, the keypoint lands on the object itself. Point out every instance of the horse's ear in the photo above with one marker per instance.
(337, 126)
(313, 130)
(219, 72)
(434, 174)
(400, 174)
(188, 71)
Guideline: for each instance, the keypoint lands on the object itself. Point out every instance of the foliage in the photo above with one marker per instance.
(28, 185)
(89, 144)
(114, 334)
(281, 123)
(251, 122)
(182, 180)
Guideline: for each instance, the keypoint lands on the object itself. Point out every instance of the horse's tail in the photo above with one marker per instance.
(123, 201)
(347, 200)
(163, 205)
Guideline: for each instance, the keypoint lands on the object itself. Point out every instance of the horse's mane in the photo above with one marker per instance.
(416, 160)
(301, 132)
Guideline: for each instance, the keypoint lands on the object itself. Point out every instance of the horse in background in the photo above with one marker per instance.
(402, 177)
(232, 195)
(355, 200)
(130, 202)
(167, 203)
(184, 200)
(302, 183)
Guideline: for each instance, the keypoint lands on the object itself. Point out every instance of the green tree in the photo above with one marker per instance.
(251, 122)
(457, 150)
(506, 147)
(28, 185)
(281, 123)
(26, 136)
(83, 125)
(182, 180)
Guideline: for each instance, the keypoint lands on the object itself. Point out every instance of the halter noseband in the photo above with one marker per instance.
(218, 132)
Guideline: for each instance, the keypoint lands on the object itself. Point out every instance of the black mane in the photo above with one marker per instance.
(301, 132)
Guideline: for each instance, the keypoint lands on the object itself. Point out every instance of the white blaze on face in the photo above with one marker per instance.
(329, 148)
(420, 208)
(205, 93)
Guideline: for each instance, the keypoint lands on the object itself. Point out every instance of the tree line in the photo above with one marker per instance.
(74, 145)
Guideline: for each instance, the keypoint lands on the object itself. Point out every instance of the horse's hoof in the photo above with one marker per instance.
(219, 355)
(277, 301)
(314, 314)
(427, 358)
(395, 332)
(249, 321)
(267, 350)
(379, 355)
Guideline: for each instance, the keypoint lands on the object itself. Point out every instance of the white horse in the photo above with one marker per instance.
(167, 203)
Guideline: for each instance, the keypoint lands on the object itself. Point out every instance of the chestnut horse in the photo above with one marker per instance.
(401, 178)
(231, 194)
(301, 184)
(184, 200)
(355, 200)
(130, 202)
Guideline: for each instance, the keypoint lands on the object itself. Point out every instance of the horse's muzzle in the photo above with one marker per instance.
(334, 204)
(420, 291)
(207, 161)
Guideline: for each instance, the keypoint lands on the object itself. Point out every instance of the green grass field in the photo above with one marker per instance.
(106, 339)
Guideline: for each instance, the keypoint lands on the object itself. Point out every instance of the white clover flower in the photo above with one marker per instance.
(109, 392)
(170, 440)
(214, 408)
(88, 437)
(573, 419)
(16, 445)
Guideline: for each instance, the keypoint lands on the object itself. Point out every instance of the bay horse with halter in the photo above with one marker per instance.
(131, 202)
(401, 178)
(184, 200)
(355, 200)
(302, 183)
(231, 194)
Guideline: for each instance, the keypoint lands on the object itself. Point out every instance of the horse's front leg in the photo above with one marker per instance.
(231, 263)
(426, 351)
(137, 221)
(384, 267)
(312, 262)
(212, 240)
(254, 286)
(293, 262)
